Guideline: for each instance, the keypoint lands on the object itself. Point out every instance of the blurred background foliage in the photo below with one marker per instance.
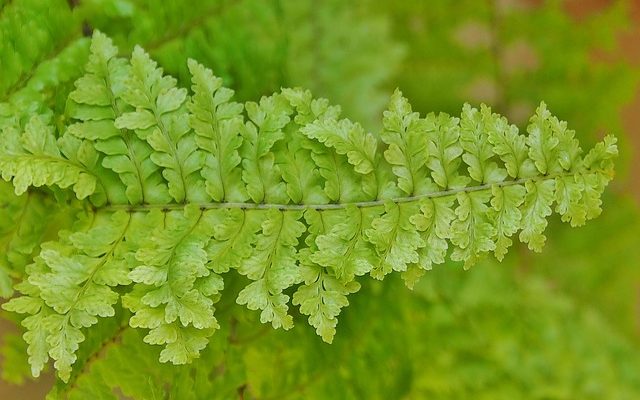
(564, 324)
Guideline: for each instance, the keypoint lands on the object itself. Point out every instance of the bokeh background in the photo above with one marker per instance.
(563, 324)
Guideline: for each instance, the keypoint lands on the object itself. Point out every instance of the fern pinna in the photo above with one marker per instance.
(179, 187)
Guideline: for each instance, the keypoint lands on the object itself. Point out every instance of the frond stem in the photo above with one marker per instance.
(338, 206)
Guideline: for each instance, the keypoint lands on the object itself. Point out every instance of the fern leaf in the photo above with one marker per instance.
(347, 139)
(322, 294)
(340, 184)
(234, 233)
(35, 323)
(535, 210)
(272, 267)
(83, 152)
(161, 120)
(395, 238)
(75, 282)
(472, 232)
(34, 159)
(445, 151)
(568, 200)
(434, 223)
(404, 133)
(300, 173)
(542, 141)
(307, 108)
(508, 144)
(96, 104)
(342, 247)
(600, 158)
(478, 150)
(181, 189)
(506, 214)
(218, 123)
(260, 174)
(173, 286)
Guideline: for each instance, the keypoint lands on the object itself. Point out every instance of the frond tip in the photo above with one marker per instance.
(186, 186)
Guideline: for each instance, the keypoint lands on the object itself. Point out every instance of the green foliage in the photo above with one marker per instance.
(173, 290)
(460, 360)
(374, 204)
(34, 158)
(302, 202)
(36, 28)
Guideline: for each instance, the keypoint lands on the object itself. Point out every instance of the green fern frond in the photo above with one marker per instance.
(173, 290)
(34, 158)
(180, 188)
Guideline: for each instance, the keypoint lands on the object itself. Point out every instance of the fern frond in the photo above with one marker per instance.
(347, 139)
(96, 104)
(324, 293)
(262, 177)
(272, 266)
(282, 191)
(35, 159)
(218, 123)
(434, 222)
(161, 119)
(173, 286)
(74, 280)
(404, 132)
(342, 246)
